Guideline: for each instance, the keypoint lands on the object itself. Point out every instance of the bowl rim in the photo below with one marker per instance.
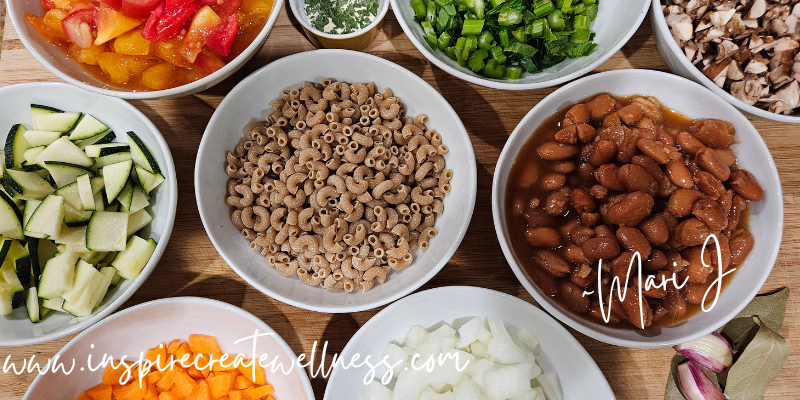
(184, 90)
(345, 308)
(182, 300)
(558, 329)
(172, 194)
(573, 321)
(384, 7)
(660, 28)
(506, 84)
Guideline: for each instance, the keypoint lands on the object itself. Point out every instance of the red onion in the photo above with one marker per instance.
(695, 385)
(712, 352)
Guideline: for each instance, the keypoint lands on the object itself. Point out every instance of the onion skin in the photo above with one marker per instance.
(695, 385)
(712, 352)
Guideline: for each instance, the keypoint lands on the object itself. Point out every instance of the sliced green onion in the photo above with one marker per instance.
(520, 35)
(513, 73)
(556, 20)
(543, 7)
(419, 8)
(472, 27)
(430, 34)
(509, 17)
(444, 40)
(497, 55)
(485, 40)
(504, 41)
(536, 28)
(476, 61)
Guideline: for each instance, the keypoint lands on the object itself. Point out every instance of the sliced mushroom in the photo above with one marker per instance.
(735, 71)
(680, 25)
(748, 90)
(720, 18)
(758, 9)
(717, 72)
(785, 44)
(726, 49)
(756, 66)
(786, 99)
(779, 76)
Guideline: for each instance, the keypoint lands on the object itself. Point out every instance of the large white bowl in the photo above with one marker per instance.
(692, 100)
(57, 62)
(678, 63)
(132, 331)
(558, 351)
(16, 329)
(249, 101)
(616, 22)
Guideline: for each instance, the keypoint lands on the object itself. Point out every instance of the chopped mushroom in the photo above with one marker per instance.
(786, 99)
(748, 90)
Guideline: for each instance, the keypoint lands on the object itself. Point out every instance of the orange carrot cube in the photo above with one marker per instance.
(166, 381)
(131, 391)
(184, 384)
(172, 347)
(242, 383)
(204, 344)
(201, 393)
(99, 392)
(168, 396)
(112, 375)
(221, 384)
(257, 375)
(260, 391)
(235, 395)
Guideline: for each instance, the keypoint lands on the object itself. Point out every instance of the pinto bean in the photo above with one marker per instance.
(600, 248)
(603, 231)
(679, 174)
(642, 316)
(681, 202)
(633, 208)
(585, 174)
(692, 232)
(580, 234)
(710, 161)
(578, 114)
(689, 143)
(538, 217)
(582, 200)
(626, 148)
(553, 151)
(710, 213)
(695, 292)
(567, 135)
(675, 261)
(603, 152)
(645, 134)
(725, 201)
(611, 120)
(630, 114)
(636, 179)
(544, 281)
(543, 237)
(725, 252)
(599, 192)
(564, 167)
(708, 184)
(674, 302)
(553, 181)
(600, 106)
(557, 203)
(741, 243)
(590, 219)
(608, 176)
(603, 316)
(714, 133)
(654, 149)
(656, 262)
(696, 270)
(744, 184)
(583, 276)
(573, 297)
(655, 229)
(727, 156)
(665, 186)
(738, 205)
(653, 292)
(567, 227)
(551, 262)
(633, 240)
(624, 268)
(574, 254)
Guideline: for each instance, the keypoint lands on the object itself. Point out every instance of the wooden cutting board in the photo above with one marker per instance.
(191, 267)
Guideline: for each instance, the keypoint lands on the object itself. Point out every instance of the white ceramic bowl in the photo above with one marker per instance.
(678, 63)
(358, 40)
(139, 328)
(558, 351)
(57, 62)
(616, 22)
(16, 329)
(249, 101)
(692, 100)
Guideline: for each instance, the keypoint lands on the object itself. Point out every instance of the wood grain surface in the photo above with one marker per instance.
(192, 267)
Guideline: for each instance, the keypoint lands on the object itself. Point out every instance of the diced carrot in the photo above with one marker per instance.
(184, 384)
(259, 378)
(112, 376)
(158, 355)
(166, 381)
(168, 396)
(151, 390)
(227, 365)
(172, 347)
(99, 392)
(131, 391)
(204, 344)
(242, 383)
(83, 396)
(148, 397)
(183, 349)
(195, 373)
(132, 43)
(260, 391)
(221, 384)
(235, 395)
(154, 377)
(223, 398)
(201, 393)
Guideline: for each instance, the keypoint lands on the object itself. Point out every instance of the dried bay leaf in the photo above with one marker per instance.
(761, 361)
(770, 308)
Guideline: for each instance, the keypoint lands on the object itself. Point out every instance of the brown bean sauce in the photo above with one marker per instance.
(525, 196)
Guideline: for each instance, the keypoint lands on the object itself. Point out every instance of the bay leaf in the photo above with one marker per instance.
(771, 308)
(761, 361)
(672, 392)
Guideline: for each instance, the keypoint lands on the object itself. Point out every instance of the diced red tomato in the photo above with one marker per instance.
(47, 4)
(204, 23)
(169, 51)
(80, 27)
(82, 5)
(222, 38)
(227, 8)
(138, 8)
(111, 23)
(168, 18)
(115, 4)
(208, 62)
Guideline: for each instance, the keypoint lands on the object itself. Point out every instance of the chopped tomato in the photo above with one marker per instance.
(166, 21)
(208, 62)
(87, 55)
(222, 38)
(132, 43)
(115, 4)
(160, 76)
(53, 19)
(169, 51)
(41, 27)
(138, 8)
(204, 23)
(226, 8)
(47, 4)
(80, 26)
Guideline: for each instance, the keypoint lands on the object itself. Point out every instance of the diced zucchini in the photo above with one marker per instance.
(138, 220)
(30, 207)
(74, 238)
(40, 109)
(56, 122)
(73, 217)
(26, 185)
(56, 304)
(30, 156)
(65, 173)
(84, 275)
(85, 191)
(87, 127)
(15, 146)
(107, 231)
(5, 247)
(41, 138)
(142, 155)
(71, 195)
(65, 151)
(117, 278)
(48, 217)
(126, 197)
(102, 150)
(139, 200)
(148, 180)
(32, 246)
(84, 304)
(9, 275)
(58, 275)
(132, 260)
(10, 219)
(6, 296)
(103, 138)
(22, 266)
(115, 178)
(32, 305)
(109, 273)
(111, 159)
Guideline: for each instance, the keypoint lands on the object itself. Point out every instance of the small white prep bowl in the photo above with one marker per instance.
(691, 100)
(16, 329)
(139, 328)
(249, 101)
(358, 40)
(616, 22)
(558, 351)
(57, 62)
(678, 63)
